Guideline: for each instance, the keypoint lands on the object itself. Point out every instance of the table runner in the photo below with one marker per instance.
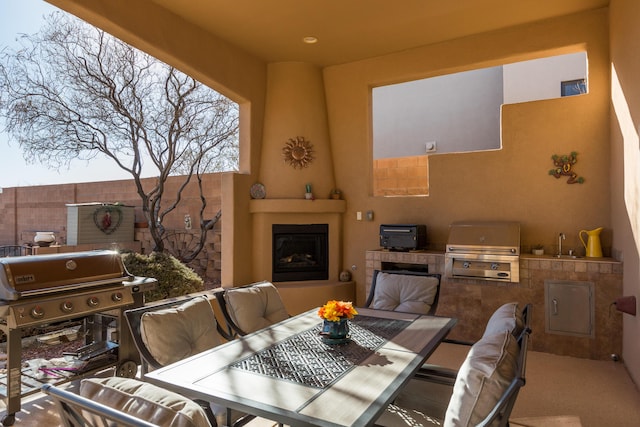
(304, 358)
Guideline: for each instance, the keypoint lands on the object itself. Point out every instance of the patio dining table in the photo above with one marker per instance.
(289, 374)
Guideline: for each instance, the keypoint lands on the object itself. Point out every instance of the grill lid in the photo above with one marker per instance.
(500, 238)
(29, 275)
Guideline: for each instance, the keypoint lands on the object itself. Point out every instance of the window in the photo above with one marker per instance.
(573, 87)
(457, 113)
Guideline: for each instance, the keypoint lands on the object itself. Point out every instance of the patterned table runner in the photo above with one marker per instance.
(304, 358)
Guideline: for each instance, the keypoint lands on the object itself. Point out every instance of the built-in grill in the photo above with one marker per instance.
(484, 251)
(48, 289)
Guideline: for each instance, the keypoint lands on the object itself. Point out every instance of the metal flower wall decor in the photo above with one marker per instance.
(298, 152)
(563, 166)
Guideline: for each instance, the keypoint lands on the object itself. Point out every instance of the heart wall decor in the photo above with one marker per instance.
(107, 219)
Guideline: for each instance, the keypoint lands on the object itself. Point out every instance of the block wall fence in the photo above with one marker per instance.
(26, 210)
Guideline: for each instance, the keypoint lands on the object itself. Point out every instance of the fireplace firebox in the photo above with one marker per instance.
(300, 252)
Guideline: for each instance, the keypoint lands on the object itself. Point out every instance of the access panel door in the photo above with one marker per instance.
(569, 307)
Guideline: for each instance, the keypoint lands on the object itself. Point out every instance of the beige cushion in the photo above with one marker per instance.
(255, 307)
(404, 292)
(145, 401)
(175, 333)
(483, 377)
(508, 317)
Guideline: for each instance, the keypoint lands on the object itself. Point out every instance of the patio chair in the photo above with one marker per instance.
(124, 402)
(405, 291)
(506, 318)
(168, 332)
(249, 308)
(481, 393)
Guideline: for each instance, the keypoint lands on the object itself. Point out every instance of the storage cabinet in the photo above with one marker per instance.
(569, 307)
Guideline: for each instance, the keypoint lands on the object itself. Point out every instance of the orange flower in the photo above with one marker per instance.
(335, 311)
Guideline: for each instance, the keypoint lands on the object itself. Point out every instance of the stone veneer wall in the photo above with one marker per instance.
(473, 301)
(208, 264)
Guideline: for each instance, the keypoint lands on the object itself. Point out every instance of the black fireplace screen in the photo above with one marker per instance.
(300, 252)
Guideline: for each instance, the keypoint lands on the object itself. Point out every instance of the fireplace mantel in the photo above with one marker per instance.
(278, 206)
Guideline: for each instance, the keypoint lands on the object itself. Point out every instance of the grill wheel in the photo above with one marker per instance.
(127, 369)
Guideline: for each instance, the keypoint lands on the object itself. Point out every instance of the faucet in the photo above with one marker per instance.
(561, 237)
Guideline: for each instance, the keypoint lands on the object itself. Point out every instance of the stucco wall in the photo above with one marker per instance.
(510, 184)
(625, 161)
(407, 115)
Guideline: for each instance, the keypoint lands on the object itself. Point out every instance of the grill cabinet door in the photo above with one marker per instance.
(569, 307)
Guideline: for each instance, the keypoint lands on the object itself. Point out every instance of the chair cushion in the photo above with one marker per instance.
(404, 292)
(482, 379)
(255, 307)
(506, 318)
(145, 401)
(172, 334)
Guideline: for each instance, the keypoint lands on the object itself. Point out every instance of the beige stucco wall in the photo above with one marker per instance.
(510, 184)
(295, 107)
(625, 164)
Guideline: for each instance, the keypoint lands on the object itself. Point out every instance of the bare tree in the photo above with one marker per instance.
(73, 92)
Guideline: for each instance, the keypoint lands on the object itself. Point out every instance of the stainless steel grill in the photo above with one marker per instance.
(45, 289)
(484, 251)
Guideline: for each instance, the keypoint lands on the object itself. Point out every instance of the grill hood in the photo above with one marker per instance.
(33, 275)
(484, 251)
(497, 238)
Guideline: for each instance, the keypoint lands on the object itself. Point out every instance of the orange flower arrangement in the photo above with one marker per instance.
(334, 311)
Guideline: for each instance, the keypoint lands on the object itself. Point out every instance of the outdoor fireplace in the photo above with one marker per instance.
(300, 252)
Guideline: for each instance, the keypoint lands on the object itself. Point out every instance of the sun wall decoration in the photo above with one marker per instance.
(298, 152)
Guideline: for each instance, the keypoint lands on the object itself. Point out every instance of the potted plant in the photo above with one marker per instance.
(335, 194)
(537, 249)
(335, 316)
(308, 194)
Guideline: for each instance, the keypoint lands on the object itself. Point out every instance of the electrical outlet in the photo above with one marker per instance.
(358, 216)
(430, 146)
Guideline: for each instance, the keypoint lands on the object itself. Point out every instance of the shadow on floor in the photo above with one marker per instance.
(561, 391)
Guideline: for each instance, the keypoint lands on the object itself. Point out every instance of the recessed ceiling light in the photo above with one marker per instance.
(310, 40)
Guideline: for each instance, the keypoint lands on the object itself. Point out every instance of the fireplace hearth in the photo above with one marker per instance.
(300, 252)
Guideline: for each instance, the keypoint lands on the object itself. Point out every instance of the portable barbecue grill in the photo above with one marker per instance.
(45, 289)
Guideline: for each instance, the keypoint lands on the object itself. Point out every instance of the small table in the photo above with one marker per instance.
(288, 374)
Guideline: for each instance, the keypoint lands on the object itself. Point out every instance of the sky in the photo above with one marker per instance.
(26, 17)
